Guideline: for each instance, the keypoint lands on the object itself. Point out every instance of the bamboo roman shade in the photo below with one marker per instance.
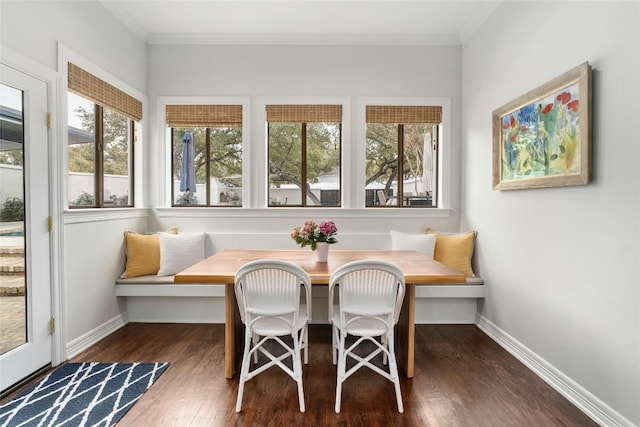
(205, 116)
(404, 114)
(87, 85)
(304, 113)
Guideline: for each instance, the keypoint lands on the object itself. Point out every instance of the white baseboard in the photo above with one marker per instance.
(595, 408)
(85, 341)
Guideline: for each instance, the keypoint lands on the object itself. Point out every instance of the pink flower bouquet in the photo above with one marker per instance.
(311, 233)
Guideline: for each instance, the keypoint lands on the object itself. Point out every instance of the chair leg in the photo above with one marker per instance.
(393, 370)
(334, 344)
(342, 363)
(305, 344)
(385, 344)
(297, 370)
(244, 371)
(256, 338)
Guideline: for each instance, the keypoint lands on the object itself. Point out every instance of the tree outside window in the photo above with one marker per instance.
(214, 134)
(101, 134)
(304, 144)
(99, 155)
(401, 146)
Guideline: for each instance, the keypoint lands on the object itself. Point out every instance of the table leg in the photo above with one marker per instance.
(406, 331)
(229, 331)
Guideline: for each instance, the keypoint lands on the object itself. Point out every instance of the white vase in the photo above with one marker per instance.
(322, 251)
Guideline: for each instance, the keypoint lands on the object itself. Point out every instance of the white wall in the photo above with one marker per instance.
(340, 72)
(34, 28)
(93, 253)
(561, 264)
(93, 258)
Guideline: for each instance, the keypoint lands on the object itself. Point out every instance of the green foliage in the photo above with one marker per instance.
(12, 157)
(185, 199)
(84, 199)
(226, 155)
(12, 210)
(121, 201)
(382, 152)
(115, 144)
(225, 147)
(323, 153)
(323, 149)
(81, 158)
(285, 153)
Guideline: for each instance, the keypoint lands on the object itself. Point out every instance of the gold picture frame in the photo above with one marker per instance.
(543, 138)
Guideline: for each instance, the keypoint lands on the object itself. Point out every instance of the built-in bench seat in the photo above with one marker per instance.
(154, 298)
(157, 299)
(472, 288)
(163, 286)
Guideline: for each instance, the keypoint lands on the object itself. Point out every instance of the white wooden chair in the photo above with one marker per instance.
(268, 295)
(370, 295)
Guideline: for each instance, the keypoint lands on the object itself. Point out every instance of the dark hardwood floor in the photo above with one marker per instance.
(462, 378)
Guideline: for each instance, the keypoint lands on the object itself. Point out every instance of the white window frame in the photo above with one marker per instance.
(262, 199)
(443, 192)
(66, 55)
(166, 175)
(255, 161)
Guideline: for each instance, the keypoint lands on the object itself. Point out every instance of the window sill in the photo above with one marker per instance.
(274, 212)
(76, 216)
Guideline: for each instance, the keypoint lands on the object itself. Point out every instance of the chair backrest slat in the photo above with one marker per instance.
(369, 286)
(271, 286)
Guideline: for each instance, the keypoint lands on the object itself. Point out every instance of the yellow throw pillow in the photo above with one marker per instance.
(455, 250)
(142, 253)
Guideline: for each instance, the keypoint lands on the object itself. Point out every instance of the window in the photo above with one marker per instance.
(206, 163)
(401, 155)
(304, 152)
(101, 133)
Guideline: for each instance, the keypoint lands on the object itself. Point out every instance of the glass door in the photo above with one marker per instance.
(25, 279)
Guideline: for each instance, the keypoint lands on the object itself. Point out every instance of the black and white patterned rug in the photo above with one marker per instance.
(81, 394)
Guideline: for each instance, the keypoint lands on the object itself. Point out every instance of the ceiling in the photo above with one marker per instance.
(381, 22)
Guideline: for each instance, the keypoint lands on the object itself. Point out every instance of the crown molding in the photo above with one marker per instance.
(478, 19)
(126, 19)
(303, 39)
(453, 39)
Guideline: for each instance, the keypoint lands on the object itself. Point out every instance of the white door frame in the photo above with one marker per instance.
(51, 79)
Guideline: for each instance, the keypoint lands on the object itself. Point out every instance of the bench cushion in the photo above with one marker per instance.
(150, 279)
(455, 250)
(142, 253)
(475, 281)
(179, 251)
(423, 243)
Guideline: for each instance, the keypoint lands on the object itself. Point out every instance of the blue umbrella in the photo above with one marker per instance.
(188, 179)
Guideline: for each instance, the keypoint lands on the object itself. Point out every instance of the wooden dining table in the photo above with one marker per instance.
(417, 268)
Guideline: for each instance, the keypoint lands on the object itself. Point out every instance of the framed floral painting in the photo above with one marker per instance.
(543, 138)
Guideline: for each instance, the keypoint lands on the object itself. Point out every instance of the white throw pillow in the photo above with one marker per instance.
(424, 243)
(179, 251)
